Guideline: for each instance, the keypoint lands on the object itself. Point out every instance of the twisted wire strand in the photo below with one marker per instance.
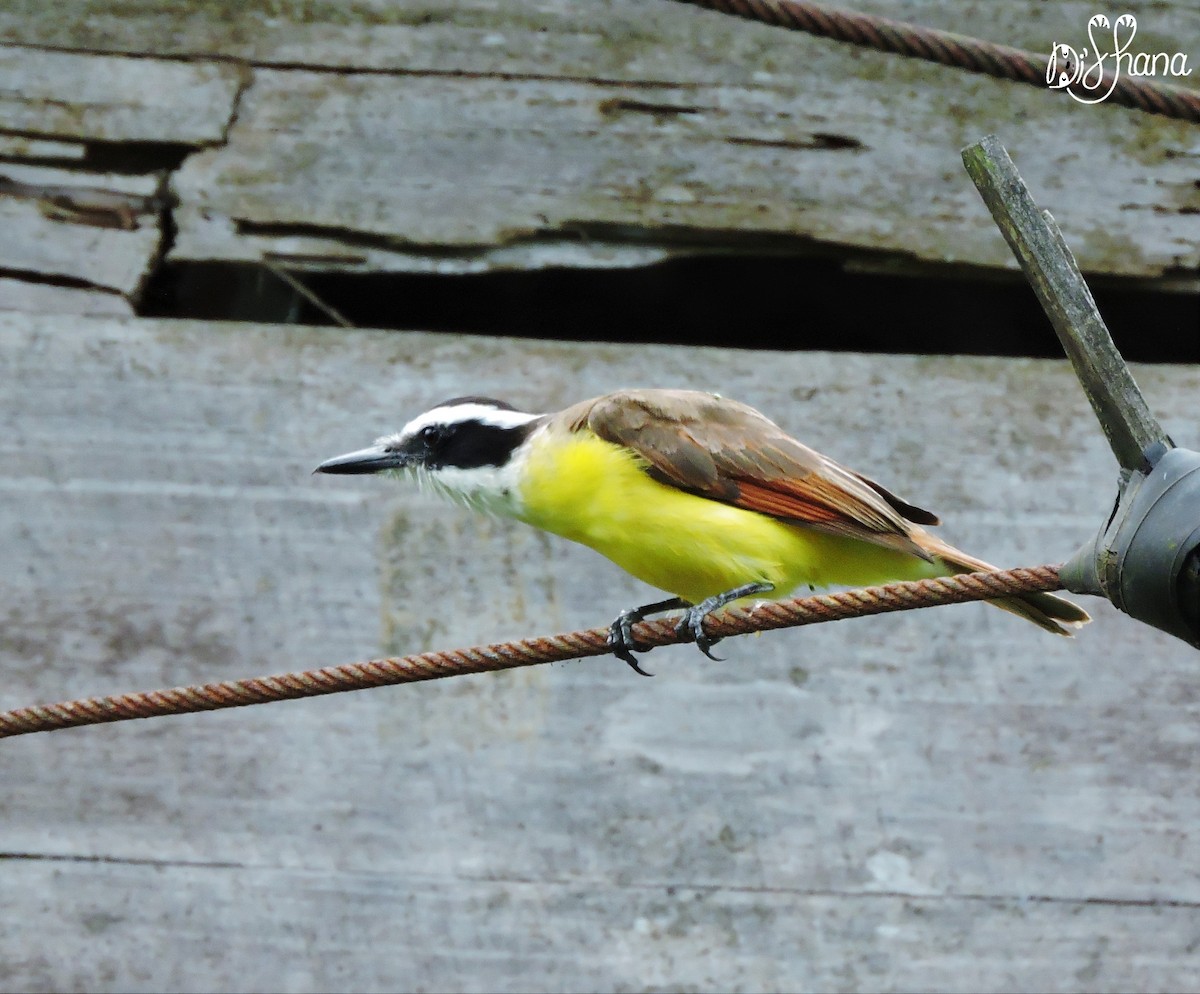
(959, 51)
(525, 652)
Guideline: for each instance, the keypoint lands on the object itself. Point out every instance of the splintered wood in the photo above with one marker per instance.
(79, 238)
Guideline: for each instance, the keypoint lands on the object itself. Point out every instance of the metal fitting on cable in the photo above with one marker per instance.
(1146, 557)
(1146, 560)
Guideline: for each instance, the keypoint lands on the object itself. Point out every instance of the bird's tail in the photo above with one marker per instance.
(1055, 614)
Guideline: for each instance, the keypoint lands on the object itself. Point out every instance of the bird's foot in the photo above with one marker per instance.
(693, 621)
(620, 632)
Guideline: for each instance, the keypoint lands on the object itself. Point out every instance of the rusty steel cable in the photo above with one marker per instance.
(526, 652)
(949, 49)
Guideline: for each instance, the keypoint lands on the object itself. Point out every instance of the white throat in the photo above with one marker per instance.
(492, 490)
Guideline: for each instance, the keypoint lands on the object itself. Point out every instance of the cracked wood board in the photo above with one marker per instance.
(944, 799)
(510, 135)
(101, 231)
(47, 298)
(20, 147)
(84, 97)
(362, 172)
(620, 40)
(79, 237)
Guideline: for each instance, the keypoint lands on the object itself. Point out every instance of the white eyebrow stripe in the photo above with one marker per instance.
(484, 414)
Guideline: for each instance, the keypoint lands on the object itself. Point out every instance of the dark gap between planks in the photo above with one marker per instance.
(739, 301)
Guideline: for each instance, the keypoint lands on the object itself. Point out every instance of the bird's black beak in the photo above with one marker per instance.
(373, 460)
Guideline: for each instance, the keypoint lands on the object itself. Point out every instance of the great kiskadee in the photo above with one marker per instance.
(698, 495)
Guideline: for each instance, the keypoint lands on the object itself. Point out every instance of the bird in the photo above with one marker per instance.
(699, 495)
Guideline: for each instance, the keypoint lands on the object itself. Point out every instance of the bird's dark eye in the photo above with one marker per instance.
(433, 439)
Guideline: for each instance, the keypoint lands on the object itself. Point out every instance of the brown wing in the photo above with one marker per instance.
(727, 451)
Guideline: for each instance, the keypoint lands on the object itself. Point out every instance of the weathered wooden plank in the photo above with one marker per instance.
(508, 134)
(944, 799)
(102, 230)
(46, 298)
(397, 931)
(20, 147)
(85, 226)
(620, 40)
(109, 98)
(457, 167)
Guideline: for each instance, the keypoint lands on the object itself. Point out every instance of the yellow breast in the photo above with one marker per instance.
(591, 491)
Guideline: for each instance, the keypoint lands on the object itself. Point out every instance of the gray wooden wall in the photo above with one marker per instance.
(940, 800)
(943, 800)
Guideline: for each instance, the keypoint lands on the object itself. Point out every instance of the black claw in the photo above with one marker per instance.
(620, 632)
(621, 640)
(693, 624)
(633, 664)
(693, 621)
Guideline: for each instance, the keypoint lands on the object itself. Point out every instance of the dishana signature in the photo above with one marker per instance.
(1069, 69)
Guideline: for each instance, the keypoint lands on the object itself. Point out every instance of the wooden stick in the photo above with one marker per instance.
(1136, 437)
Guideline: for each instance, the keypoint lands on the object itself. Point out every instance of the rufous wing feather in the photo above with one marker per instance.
(726, 451)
